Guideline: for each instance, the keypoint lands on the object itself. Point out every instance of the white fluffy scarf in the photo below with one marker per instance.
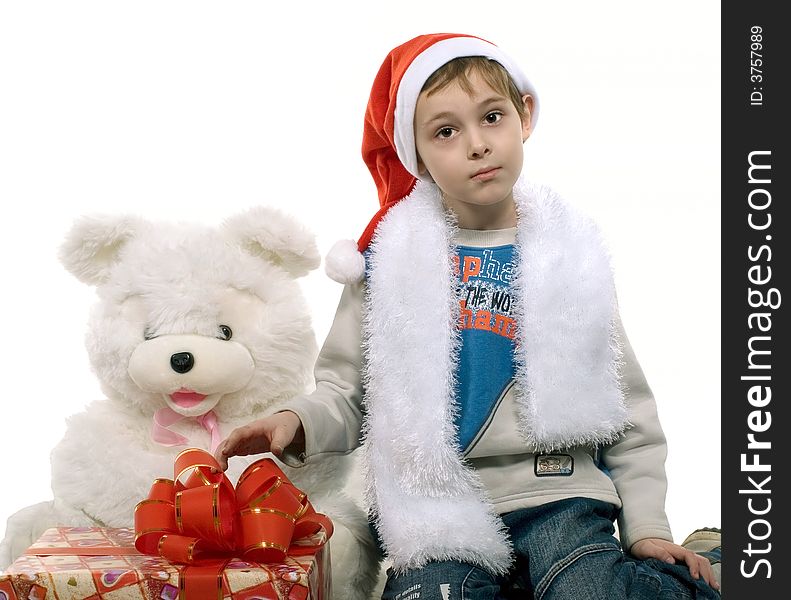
(428, 504)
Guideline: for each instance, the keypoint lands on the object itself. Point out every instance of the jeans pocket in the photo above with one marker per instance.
(585, 583)
(441, 580)
(479, 585)
(675, 580)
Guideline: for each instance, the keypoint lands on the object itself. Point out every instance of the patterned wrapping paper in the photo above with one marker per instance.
(141, 577)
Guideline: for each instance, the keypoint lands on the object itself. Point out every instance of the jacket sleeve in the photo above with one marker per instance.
(636, 461)
(332, 414)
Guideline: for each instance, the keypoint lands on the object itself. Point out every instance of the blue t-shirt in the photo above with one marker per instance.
(486, 360)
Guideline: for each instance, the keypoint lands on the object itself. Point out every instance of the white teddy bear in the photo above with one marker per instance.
(197, 331)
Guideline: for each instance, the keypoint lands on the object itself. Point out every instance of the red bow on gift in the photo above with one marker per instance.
(203, 521)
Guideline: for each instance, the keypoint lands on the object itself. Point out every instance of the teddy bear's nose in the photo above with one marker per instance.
(181, 362)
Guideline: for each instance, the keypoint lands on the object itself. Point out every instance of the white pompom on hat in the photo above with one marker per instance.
(388, 146)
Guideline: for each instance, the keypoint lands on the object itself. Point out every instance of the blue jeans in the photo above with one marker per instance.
(564, 550)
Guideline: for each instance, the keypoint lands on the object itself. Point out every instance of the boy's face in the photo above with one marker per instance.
(471, 145)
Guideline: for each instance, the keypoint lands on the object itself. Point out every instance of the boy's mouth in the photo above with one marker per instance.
(486, 174)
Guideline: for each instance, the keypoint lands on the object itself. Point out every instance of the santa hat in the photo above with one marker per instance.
(388, 132)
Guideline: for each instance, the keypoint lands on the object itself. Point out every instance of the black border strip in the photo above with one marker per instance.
(755, 117)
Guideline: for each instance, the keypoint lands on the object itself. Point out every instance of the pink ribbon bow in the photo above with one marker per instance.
(166, 417)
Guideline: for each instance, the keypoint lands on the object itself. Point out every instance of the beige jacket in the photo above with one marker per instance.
(504, 463)
(332, 419)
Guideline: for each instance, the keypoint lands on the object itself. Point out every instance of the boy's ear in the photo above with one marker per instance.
(527, 120)
(421, 167)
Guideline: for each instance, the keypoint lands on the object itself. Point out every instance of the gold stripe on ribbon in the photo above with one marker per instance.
(267, 493)
(265, 545)
(143, 532)
(200, 474)
(249, 471)
(179, 523)
(215, 508)
(273, 511)
(142, 502)
(302, 510)
(190, 550)
(182, 587)
(196, 467)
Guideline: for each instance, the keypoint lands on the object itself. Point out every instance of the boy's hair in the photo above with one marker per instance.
(492, 72)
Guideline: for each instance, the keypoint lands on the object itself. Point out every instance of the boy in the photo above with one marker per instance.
(505, 420)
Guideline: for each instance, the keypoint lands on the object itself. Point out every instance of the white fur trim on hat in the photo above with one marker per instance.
(421, 68)
(344, 263)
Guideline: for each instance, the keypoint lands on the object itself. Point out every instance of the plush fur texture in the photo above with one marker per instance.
(568, 355)
(166, 289)
(344, 263)
(428, 504)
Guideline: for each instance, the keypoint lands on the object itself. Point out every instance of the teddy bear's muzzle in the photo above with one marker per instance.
(206, 367)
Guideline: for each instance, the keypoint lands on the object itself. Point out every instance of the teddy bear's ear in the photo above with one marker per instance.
(93, 243)
(270, 234)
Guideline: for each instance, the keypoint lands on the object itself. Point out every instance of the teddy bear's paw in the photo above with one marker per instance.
(23, 528)
(354, 555)
(355, 564)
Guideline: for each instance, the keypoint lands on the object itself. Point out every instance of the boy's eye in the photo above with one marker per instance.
(493, 117)
(445, 132)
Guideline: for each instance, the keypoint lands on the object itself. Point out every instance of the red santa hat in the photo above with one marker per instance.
(388, 147)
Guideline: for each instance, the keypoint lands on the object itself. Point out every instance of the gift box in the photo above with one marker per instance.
(80, 563)
(196, 537)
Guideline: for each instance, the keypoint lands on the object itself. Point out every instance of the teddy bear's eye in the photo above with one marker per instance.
(225, 332)
(148, 334)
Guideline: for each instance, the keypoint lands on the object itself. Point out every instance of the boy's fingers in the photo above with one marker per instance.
(229, 445)
(712, 579)
(664, 554)
(708, 576)
(695, 562)
(708, 573)
(279, 441)
(218, 452)
(219, 456)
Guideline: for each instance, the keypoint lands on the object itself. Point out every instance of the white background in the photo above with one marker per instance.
(197, 110)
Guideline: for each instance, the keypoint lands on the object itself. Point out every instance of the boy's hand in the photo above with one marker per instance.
(672, 553)
(270, 434)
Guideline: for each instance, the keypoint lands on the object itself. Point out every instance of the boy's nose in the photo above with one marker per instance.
(478, 148)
